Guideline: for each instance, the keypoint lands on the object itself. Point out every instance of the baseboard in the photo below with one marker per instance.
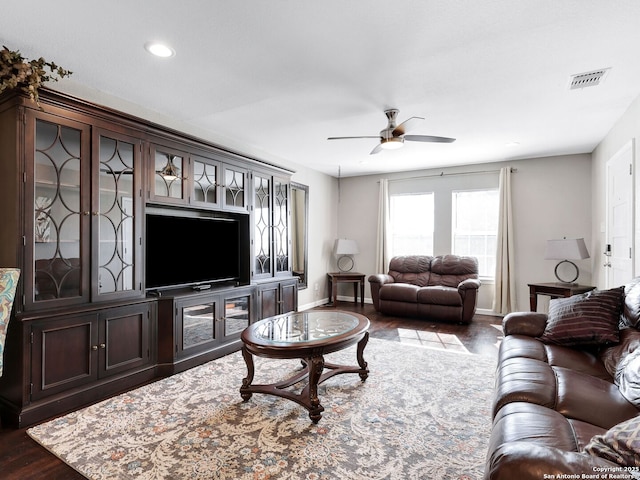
(317, 303)
(348, 298)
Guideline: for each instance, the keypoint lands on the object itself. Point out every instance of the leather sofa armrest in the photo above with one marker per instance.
(375, 282)
(530, 461)
(468, 290)
(380, 278)
(531, 324)
(469, 283)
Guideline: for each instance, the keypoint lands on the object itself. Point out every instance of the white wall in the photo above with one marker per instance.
(626, 129)
(323, 225)
(551, 199)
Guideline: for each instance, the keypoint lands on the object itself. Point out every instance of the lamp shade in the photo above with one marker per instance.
(345, 246)
(566, 249)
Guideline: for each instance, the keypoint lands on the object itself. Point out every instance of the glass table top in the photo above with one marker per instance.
(304, 326)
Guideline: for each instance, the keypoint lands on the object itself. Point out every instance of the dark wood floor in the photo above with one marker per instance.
(21, 458)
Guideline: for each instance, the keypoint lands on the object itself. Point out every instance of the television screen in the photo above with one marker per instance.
(188, 250)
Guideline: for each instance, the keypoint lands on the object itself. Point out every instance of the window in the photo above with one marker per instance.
(475, 227)
(411, 218)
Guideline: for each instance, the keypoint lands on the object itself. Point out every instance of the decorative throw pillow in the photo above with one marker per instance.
(8, 285)
(613, 355)
(588, 319)
(628, 377)
(620, 444)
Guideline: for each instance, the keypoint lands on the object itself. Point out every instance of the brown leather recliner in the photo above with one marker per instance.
(443, 287)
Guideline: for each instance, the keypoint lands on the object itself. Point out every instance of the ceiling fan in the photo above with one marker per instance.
(393, 137)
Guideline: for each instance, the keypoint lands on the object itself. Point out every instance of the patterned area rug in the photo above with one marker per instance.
(421, 414)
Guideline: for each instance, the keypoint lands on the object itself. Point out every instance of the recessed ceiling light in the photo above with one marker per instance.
(512, 144)
(159, 49)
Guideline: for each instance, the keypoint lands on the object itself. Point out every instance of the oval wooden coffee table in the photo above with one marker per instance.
(307, 336)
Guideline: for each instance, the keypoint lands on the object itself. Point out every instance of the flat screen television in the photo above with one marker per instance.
(182, 251)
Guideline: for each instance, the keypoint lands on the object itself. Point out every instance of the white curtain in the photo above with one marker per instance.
(504, 299)
(382, 244)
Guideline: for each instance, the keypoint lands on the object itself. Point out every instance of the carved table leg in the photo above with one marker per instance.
(316, 367)
(246, 382)
(363, 365)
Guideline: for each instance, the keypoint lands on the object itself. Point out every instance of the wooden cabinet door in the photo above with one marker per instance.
(275, 298)
(289, 296)
(268, 297)
(64, 354)
(125, 340)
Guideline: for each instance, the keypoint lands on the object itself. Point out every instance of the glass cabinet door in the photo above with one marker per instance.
(59, 230)
(197, 326)
(116, 208)
(168, 175)
(281, 225)
(205, 181)
(262, 225)
(235, 188)
(237, 315)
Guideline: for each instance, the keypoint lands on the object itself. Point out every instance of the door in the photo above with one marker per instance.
(57, 212)
(125, 339)
(269, 296)
(63, 354)
(620, 217)
(237, 314)
(205, 182)
(234, 196)
(289, 296)
(116, 216)
(167, 180)
(196, 325)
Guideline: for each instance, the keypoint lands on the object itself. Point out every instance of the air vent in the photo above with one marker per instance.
(588, 79)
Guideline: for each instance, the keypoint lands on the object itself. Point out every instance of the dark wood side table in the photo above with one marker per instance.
(554, 290)
(349, 277)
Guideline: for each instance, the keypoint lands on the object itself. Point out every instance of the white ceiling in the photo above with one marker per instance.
(273, 79)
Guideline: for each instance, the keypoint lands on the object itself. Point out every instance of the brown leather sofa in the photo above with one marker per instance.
(558, 411)
(443, 287)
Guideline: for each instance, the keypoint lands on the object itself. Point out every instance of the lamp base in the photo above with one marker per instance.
(345, 263)
(565, 268)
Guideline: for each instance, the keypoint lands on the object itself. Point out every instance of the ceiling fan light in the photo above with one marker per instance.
(392, 143)
(159, 49)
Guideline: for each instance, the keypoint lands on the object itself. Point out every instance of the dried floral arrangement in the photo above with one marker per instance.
(28, 75)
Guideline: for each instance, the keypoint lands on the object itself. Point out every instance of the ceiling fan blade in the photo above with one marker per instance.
(429, 138)
(407, 126)
(349, 138)
(378, 149)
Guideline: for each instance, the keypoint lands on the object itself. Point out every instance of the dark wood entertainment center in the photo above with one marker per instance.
(78, 181)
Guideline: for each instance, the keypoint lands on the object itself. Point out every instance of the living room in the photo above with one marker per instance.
(558, 190)
(577, 201)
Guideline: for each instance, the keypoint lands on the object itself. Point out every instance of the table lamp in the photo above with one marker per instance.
(565, 250)
(345, 249)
